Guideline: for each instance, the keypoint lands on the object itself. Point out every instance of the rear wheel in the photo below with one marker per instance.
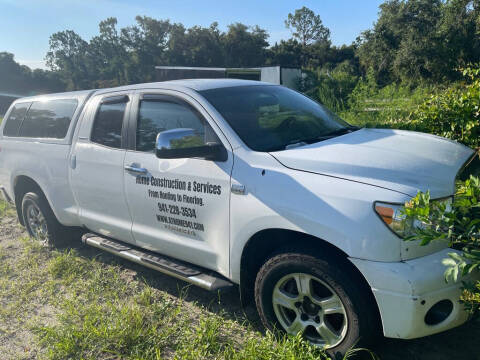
(299, 293)
(40, 221)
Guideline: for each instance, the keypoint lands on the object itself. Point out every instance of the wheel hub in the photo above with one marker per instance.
(309, 307)
(305, 304)
(36, 222)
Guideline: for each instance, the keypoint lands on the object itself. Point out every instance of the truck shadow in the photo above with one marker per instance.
(459, 343)
(224, 302)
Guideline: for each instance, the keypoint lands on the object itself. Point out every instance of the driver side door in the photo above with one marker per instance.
(180, 207)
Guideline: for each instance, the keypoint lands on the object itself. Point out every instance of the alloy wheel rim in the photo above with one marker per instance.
(37, 223)
(305, 304)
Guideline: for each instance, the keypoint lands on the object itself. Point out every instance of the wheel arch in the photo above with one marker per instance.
(265, 243)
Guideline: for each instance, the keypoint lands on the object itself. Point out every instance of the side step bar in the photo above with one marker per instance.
(169, 266)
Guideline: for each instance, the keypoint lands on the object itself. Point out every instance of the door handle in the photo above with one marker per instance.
(135, 169)
(238, 189)
(73, 162)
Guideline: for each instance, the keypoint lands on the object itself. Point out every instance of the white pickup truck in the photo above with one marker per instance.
(222, 182)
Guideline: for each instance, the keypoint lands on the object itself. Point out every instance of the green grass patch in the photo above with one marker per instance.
(104, 316)
(6, 209)
(370, 106)
(77, 305)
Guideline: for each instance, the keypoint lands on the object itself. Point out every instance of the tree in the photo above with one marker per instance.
(286, 53)
(109, 56)
(146, 42)
(420, 54)
(44, 81)
(13, 76)
(205, 45)
(421, 40)
(68, 55)
(307, 27)
(244, 46)
(19, 79)
(196, 46)
(459, 28)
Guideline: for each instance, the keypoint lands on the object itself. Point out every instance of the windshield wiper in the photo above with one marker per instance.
(294, 144)
(342, 131)
(301, 142)
(332, 134)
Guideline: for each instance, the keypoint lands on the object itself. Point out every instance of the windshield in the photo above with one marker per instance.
(272, 118)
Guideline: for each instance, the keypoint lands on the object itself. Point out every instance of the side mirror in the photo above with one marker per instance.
(186, 143)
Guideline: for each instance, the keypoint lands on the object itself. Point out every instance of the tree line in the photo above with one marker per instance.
(412, 41)
(129, 55)
(19, 79)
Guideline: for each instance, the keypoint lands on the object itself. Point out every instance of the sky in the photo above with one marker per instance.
(27, 24)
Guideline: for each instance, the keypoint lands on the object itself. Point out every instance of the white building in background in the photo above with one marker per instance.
(279, 75)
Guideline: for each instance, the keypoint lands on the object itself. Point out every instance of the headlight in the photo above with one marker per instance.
(394, 218)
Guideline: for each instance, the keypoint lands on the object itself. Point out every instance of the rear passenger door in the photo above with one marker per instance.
(180, 207)
(97, 167)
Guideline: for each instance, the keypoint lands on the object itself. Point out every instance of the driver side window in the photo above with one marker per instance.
(160, 114)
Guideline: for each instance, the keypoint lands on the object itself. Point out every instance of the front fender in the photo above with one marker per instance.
(334, 210)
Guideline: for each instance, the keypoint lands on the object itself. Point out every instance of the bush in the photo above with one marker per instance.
(460, 225)
(454, 113)
(330, 87)
(371, 106)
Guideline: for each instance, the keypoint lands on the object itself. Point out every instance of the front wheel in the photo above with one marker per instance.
(299, 293)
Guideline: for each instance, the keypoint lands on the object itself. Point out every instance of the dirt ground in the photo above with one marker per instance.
(18, 341)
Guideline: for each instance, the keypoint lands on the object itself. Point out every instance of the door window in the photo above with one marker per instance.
(48, 119)
(157, 115)
(15, 119)
(108, 123)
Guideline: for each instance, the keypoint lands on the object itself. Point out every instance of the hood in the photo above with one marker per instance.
(402, 161)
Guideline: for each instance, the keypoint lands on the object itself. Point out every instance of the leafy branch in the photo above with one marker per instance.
(458, 223)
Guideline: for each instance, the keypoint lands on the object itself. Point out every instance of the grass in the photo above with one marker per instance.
(80, 303)
(391, 104)
(6, 209)
(81, 307)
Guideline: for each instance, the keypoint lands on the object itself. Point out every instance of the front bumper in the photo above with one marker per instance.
(405, 291)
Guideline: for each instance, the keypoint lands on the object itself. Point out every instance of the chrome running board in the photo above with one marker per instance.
(164, 264)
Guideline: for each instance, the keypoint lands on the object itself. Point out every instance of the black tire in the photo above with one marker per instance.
(359, 314)
(54, 233)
